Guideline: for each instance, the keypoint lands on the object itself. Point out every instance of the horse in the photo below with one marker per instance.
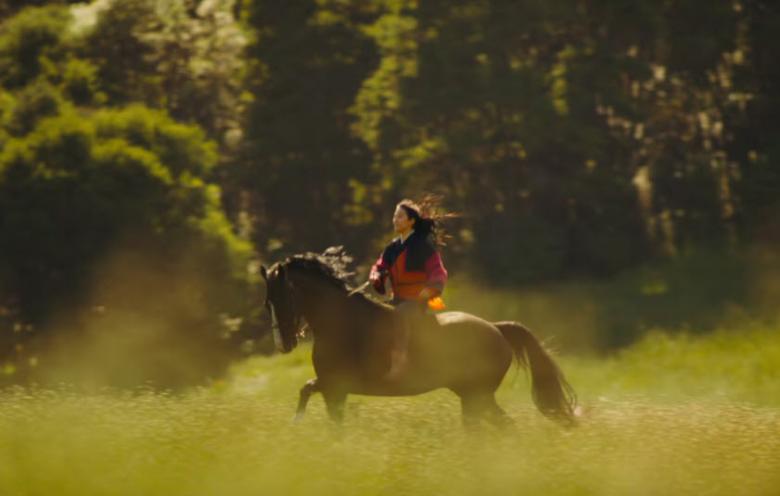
(352, 338)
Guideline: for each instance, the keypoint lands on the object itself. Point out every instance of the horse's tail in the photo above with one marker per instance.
(553, 396)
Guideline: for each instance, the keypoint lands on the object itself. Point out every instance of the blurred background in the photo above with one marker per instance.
(615, 166)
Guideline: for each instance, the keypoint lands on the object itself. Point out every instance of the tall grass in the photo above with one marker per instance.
(697, 293)
(670, 415)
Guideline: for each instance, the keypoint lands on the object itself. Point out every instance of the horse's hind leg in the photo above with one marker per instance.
(473, 409)
(497, 416)
(470, 412)
(310, 387)
(477, 407)
(335, 400)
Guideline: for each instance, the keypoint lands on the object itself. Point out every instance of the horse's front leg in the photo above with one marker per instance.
(310, 387)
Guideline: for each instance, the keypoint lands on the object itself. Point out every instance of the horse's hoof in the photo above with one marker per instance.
(297, 418)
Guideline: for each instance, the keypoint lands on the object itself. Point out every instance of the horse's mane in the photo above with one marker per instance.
(332, 266)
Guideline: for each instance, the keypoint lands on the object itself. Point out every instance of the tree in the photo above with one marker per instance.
(31, 44)
(302, 169)
(754, 110)
(479, 103)
(81, 198)
(173, 54)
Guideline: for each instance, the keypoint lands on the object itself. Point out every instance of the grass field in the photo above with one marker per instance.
(682, 415)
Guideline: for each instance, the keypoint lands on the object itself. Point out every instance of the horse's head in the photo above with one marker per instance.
(313, 283)
(280, 301)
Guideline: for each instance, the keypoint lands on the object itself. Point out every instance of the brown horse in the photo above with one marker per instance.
(353, 335)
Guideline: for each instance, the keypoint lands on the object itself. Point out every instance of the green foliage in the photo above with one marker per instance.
(696, 293)
(755, 148)
(616, 131)
(80, 82)
(31, 42)
(33, 103)
(172, 55)
(9, 8)
(182, 148)
(577, 141)
(117, 47)
(80, 191)
(300, 158)
(739, 364)
(532, 110)
(59, 183)
(458, 94)
(199, 58)
(7, 103)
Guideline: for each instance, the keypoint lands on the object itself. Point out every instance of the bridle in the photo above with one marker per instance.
(275, 332)
(275, 328)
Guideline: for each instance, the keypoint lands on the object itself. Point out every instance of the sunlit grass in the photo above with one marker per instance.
(667, 416)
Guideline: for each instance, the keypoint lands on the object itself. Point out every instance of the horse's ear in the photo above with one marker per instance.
(264, 272)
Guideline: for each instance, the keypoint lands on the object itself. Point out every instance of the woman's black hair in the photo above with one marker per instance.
(427, 217)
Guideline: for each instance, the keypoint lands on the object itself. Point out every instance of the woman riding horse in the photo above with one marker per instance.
(353, 335)
(415, 269)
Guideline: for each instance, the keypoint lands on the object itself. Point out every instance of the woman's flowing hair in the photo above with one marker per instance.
(428, 215)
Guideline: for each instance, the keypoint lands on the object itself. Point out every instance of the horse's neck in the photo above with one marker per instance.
(321, 306)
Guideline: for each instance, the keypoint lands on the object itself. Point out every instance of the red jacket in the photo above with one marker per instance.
(408, 284)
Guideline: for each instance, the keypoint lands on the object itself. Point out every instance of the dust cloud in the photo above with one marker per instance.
(146, 320)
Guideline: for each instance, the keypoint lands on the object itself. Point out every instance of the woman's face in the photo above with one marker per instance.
(401, 221)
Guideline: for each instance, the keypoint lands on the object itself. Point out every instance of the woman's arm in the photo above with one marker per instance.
(436, 276)
(378, 274)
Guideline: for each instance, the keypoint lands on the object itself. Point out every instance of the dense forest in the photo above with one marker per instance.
(154, 152)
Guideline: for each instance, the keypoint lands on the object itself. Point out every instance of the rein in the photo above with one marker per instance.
(359, 289)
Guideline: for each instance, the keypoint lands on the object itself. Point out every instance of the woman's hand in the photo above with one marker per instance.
(375, 277)
(377, 280)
